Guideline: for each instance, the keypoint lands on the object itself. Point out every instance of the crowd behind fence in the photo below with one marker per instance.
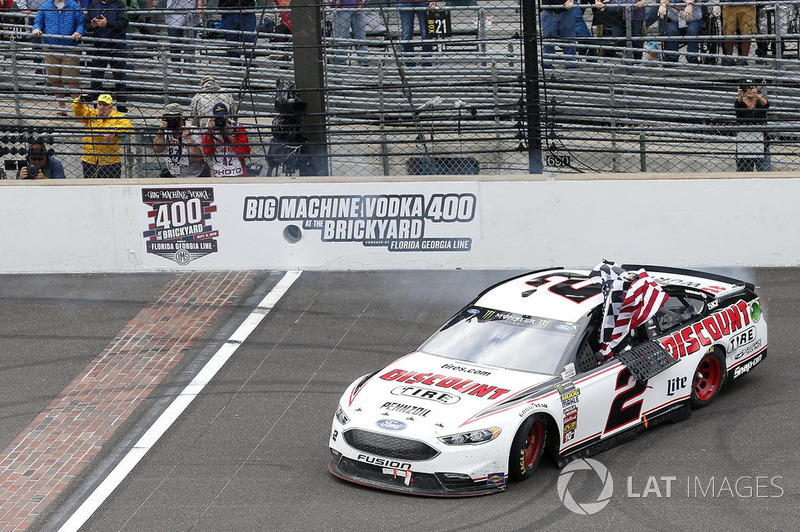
(627, 89)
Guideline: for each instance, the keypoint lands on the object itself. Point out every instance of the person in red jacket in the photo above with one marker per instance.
(226, 144)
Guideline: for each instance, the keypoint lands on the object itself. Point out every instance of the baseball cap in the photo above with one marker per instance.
(219, 109)
(105, 98)
(37, 149)
(173, 109)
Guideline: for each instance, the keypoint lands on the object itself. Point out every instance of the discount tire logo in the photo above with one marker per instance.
(585, 508)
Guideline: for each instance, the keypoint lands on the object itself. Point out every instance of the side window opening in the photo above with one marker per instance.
(675, 312)
(586, 358)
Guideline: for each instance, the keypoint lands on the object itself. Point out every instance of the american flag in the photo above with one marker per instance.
(642, 301)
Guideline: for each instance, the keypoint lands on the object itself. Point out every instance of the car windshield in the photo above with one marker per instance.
(504, 339)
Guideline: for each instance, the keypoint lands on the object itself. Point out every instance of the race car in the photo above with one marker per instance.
(523, 371)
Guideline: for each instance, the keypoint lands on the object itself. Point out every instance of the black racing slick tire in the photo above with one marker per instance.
(708, 379)
(527, 448)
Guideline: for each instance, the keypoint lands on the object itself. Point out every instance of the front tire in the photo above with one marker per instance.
(527, 447)
(708, 379)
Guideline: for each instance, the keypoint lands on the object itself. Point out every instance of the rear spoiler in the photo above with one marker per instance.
(695, 273)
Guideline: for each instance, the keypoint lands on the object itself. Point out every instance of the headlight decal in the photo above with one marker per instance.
(471, 437)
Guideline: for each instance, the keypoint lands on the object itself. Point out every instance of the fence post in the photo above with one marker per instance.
(310, 79)
(163, 52)
(384, 146)
(642, 153)
(778, 39)
(533, 110)
(613, 123)
(15, 78)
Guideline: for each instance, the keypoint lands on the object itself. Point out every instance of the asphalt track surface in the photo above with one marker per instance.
(250, 452)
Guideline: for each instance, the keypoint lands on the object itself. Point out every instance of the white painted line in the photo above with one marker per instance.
(178, 405)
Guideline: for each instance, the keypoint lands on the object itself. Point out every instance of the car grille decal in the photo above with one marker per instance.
(390, 446)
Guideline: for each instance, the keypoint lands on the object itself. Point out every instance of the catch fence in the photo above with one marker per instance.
(473, 102)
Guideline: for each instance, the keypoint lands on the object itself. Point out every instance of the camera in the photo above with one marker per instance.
(219, 122)
(33, 171)
(173, 121)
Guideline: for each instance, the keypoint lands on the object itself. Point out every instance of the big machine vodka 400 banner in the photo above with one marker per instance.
(397, 222)
(179, 226)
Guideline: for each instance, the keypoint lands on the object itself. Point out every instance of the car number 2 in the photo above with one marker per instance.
(620, 414)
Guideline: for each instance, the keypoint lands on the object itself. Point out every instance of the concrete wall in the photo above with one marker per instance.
(427, 223)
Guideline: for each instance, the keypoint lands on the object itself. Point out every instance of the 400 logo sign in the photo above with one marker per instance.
(179, 228)
(395, 221)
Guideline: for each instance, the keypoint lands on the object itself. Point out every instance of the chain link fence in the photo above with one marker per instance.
(606, 96)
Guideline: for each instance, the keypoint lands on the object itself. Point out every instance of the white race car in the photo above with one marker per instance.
(516, 373)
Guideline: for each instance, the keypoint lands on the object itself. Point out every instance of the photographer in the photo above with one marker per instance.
(751, 147)
(226, 143)
(40, 165)
(182, 149)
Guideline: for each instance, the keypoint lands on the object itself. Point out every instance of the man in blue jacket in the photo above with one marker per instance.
(65, 18)
(107, 22)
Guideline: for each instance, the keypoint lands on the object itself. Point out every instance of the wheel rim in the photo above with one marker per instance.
(533, 443)
(706, 380)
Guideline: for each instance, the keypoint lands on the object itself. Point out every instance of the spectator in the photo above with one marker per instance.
(751, 147)
(610, 19)
(183, 17)
(226, 144)
(102, 144)
(30, 7)
(410, 10)
(133, 7)
(769, 23)
(684, 18)
(349, 15)
(633, 12)
(182, 148)
(741, 18)
(284, 26)
(239, 26)
(46, 166)
(558, 20)
(203, 102)
(582, 31)
(373, 17)
(65, 18)
(107, 22)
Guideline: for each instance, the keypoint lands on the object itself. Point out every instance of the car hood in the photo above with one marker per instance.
(422, 391)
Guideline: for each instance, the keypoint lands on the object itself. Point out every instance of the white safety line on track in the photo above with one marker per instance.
(178, 405)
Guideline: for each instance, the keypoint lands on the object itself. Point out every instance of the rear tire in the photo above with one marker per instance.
(708, 379)
(527, 448)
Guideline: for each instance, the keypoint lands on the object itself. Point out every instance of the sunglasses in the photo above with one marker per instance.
(37, 158)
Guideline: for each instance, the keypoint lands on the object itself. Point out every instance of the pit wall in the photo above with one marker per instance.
(417, 223)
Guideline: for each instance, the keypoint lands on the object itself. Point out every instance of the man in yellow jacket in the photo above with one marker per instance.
(101, 145)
